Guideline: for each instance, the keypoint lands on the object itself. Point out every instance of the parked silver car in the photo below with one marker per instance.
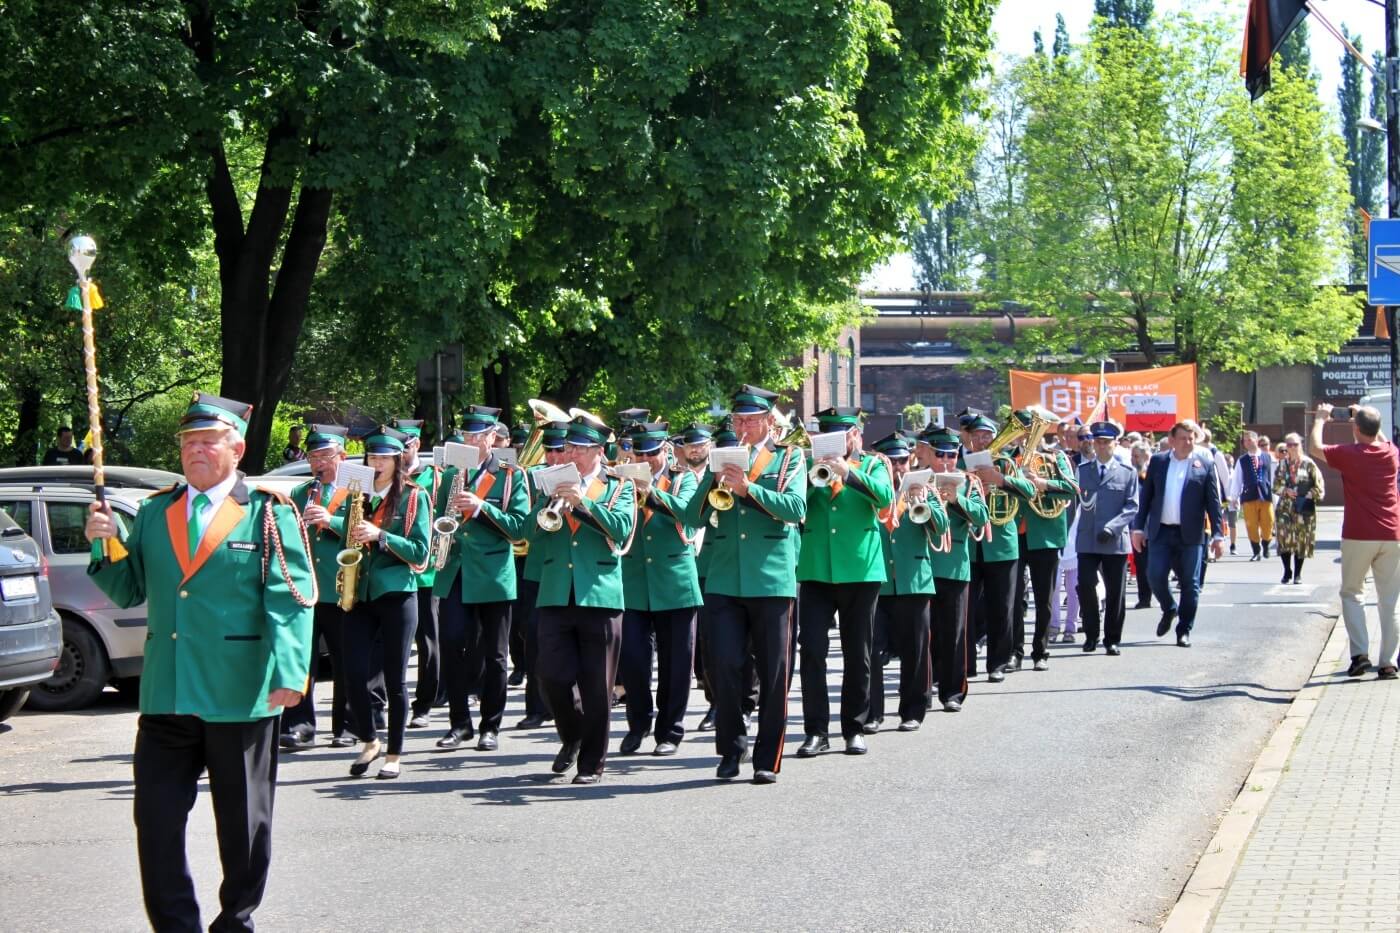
(101, 643)
(29, 628)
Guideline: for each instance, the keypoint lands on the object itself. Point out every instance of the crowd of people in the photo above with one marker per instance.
(726, 554)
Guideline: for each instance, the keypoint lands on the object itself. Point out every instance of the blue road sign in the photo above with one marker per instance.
(1383, 263)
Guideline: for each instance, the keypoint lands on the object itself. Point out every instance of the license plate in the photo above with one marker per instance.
(12, 588)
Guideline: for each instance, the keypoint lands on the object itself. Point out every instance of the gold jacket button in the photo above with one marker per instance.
(648, 537)
(742, 535)
(571, 566)
(174, 635)
(184, 594)
(575, 544)
(833, 508)
(833, 531)
(648, 560)
(743, 511)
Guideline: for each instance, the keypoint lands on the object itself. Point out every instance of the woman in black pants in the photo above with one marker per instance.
(394, 538)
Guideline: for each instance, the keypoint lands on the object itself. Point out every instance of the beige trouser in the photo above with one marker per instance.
(1258, 519)
(1382, 559)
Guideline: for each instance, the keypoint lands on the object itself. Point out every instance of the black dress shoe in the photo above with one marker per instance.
(728, 768)
(815, 745)
(855, 745)
(419, 720)
(872, 727)
(1183, 641)
(664, 749)
(765, 777)
(587, 778)
(532, 721)
(565, 759)
(343, 741)
(488, 742)
(300, 737)
(1015, 664)
(373, 751)
(707, 722)
(517, 677)
(1090, 646)
(1360, 664)
(909, 725)
(1165, 625)
(1113, 650)
(454, 738)
(631, 742)
(996, 676)
(951, 706)
(1143, 604)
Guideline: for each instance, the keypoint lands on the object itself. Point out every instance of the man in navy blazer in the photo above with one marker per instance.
(1178, 497)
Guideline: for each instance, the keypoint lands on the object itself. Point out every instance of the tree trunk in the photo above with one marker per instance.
(1144, 336)
(27, 442)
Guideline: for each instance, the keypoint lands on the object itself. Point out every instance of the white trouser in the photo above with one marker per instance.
(1382, 560)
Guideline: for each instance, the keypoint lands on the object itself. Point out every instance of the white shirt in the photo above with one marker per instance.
(1177, 471)
(216, 493)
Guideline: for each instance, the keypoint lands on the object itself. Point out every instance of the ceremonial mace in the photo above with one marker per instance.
(82, 253)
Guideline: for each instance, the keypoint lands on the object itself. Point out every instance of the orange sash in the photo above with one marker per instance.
(229, 515)
(595, 489)
(663, 484)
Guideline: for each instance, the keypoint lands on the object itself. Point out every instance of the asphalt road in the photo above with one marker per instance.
(1074, 799)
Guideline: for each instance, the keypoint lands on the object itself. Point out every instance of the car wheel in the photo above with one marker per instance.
(81, 674)
(11, 700)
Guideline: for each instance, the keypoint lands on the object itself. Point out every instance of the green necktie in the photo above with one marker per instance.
(201, 502)
(326, 493)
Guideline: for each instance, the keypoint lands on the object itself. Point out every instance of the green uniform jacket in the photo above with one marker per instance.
(427, 478)
(908, 552)
(392, 565)
(585, 560)
(325, 542)
(1005, 542)
(841, 537)
(659, 570)
(220, 636)
(967, 514)
(528, 533)
(482, 553)
(753, 551)
(1042, 533)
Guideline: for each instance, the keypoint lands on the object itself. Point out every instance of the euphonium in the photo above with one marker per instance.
(349, 558)
(445, 528)
(1047, 467)
(1001, 505)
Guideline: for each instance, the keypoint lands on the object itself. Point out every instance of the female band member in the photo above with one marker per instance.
(394, 536)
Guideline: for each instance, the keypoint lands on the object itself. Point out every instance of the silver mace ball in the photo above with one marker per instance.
(82, 253)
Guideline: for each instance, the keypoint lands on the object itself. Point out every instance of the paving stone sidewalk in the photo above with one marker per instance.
(1324, 854)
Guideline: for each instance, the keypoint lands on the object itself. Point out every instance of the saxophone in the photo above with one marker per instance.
(349, 558)
(445, 528)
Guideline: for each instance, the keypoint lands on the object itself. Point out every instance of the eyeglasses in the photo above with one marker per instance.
(1086, 437)
(945, 454)
(1290, 444)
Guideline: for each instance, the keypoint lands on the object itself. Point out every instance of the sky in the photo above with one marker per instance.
(1016, 21)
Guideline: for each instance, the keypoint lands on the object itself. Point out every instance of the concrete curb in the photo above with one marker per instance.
(1205, 889)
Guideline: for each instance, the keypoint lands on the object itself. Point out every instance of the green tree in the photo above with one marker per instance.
(1364, 155)
(1134, 14)
(1294, 53)
(1062, 44)
(1159, 207)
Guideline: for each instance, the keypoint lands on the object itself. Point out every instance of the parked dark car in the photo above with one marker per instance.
(30, 631)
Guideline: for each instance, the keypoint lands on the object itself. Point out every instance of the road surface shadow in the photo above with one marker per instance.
(1188, 694)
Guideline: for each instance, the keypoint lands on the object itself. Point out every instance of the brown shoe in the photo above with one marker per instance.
(1386, 673)
(1360, 664)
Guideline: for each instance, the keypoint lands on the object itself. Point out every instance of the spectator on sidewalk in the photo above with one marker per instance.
(1141, 454)
(1232, 506)
(1298, 485)
(293, 451)
(1370, 530)
(65, 454)
(1251, 485)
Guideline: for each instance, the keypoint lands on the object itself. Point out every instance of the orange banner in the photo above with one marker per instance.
(1172, 388)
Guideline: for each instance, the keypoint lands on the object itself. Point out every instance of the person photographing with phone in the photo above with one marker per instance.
(1370, 529)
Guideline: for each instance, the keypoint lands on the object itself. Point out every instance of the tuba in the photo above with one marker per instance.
(532, 454)
(349, 558)
(1002, 506)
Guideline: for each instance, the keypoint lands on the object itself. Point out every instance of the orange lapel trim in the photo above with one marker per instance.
(228, 516)
(595, 489)
(178, 527)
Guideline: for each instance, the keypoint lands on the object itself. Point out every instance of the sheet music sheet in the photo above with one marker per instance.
(915, 478)
(439, 457)
(549, 479)
(462, 456)
(721, 457)
(829, 446)
(637, 472)
(955, 479)
(348, 472)
(982, 458)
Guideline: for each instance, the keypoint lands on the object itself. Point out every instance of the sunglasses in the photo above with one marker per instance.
(945, 454)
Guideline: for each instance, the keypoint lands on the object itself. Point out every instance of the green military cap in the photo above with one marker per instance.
(836, 419)
(413, 427)
(697, 433)
(944, 439)
(454, 438)
(587, 431)
(967, 416)
(648, 437)
(519, 434)
(385, 440)
(895, 446)
(982, 423)
(631, 416)
(210, 411)
(321, 436)
(725, 436)
(478, 418)
(554, 434)
(750, 400)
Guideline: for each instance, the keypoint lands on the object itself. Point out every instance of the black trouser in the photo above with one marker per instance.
(750, 697)
(578, 663)
(1144, 586)
(882, 640)
(989, 599)
(1044, 564)
(1018, 608)
(327, 622)
(950, 648)
(744, 630)
(853, 605)
(335, 619)
(526, 619)
(392, 618)
(906, 622)
(428, 692)
(672, 633)
(475, 649)
(1114, 568)
(517, 634)
(241, 758)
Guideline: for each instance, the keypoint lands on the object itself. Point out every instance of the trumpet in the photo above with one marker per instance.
(822, 474)
(349, 558)
(720, 498)
(445, 527)
(551, 517)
